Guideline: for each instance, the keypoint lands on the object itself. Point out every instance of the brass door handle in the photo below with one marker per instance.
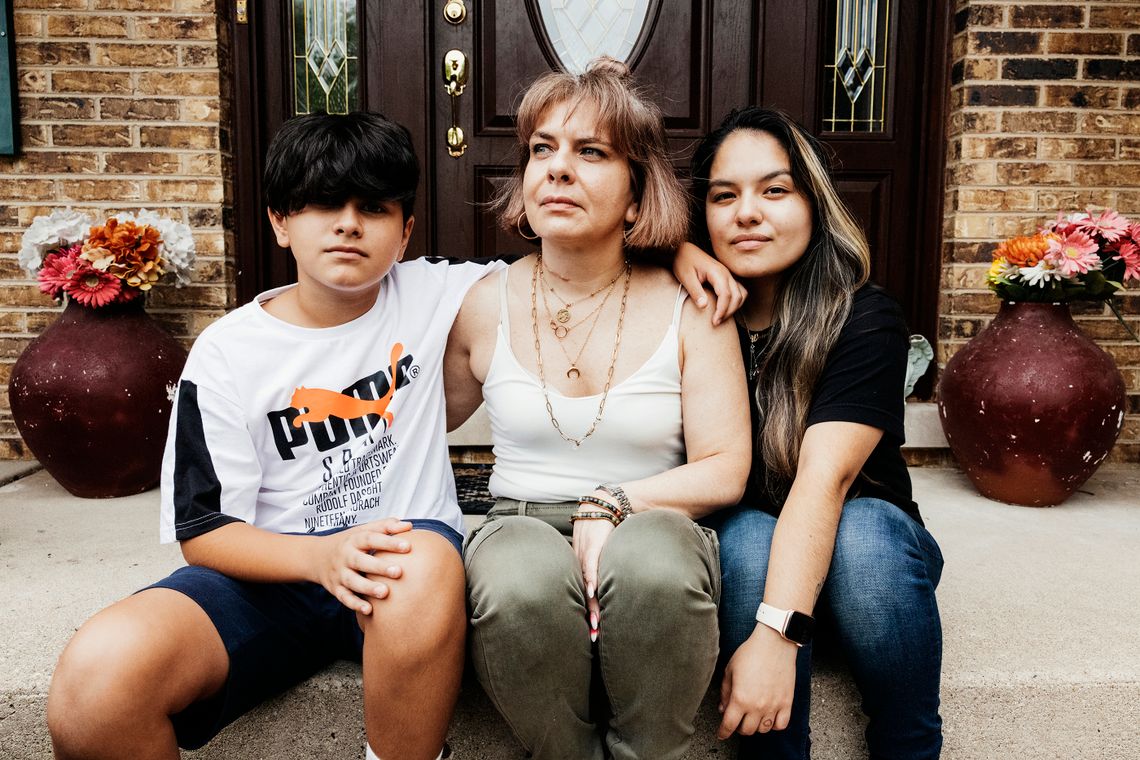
(454, 81)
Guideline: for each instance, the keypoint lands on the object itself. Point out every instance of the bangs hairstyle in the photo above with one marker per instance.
(327, 159)
(813, 298)
(634, 127)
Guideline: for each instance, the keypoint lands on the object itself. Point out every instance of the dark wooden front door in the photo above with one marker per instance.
(699, 57)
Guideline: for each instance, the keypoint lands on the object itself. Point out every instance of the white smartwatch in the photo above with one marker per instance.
(793, 626)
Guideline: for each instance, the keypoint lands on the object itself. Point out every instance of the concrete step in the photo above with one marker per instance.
(1040, 607)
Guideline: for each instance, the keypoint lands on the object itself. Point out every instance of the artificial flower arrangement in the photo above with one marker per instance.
(1077, 257)
(109, 263)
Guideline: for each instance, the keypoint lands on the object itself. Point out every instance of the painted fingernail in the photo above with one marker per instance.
(594, 621)
(593, 635)
(589, 590)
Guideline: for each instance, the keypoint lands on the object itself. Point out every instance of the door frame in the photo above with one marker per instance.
(251, 121)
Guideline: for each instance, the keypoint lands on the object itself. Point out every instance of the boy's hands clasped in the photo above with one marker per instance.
(344, 561)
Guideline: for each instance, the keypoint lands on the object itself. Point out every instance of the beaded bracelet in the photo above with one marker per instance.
(599, 515)
(618, 493)
(594, 500)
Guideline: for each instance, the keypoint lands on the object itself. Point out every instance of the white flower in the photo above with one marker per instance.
(62, 227)
(1007, 270)
(1040, 274)
(178, 251)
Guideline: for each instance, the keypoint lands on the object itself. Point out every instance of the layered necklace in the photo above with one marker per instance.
(573, 373)
(757, 339)
(560, 319)
(562, 331)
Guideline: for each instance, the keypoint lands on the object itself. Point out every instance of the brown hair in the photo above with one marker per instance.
(635, 130)
(813, 298)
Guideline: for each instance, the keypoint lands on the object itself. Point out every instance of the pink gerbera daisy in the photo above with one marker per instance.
(57, 270)
(90, 287)
(1109, 225)
(1074, 253)
(1129, 253)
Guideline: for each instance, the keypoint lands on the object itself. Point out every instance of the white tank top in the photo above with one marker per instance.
(640, 433)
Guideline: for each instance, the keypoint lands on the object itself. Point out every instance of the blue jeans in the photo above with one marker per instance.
(879, 595)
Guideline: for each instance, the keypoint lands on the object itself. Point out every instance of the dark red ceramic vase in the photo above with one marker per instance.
(1031, 406)
(90, 398)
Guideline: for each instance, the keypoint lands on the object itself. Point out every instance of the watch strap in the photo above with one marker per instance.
(778, 619)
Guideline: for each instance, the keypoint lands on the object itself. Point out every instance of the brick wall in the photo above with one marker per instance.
(1044, 116)
(122, 106)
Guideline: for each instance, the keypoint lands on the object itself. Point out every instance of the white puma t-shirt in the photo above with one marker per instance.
(300, 430)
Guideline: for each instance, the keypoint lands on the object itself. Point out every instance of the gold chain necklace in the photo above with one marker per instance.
(562, 330)
(563, 314)
(573, 373)
(575, 442)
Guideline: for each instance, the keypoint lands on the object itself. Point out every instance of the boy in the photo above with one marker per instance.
(307, 478)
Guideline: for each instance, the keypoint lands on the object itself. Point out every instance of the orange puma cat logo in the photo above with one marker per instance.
(322, 404)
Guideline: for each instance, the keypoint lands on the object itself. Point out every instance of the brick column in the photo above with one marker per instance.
(1044, 116)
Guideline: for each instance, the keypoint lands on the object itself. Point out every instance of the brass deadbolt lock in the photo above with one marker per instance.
(455, 11)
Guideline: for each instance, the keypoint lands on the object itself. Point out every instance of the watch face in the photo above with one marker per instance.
(799, 628)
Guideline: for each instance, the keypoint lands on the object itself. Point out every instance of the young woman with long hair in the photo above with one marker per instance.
(612, 401)
(828, 524)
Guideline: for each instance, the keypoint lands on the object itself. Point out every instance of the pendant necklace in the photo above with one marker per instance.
(562, 330)
(573, 373)
(576, 442)
(753, 345)
(562, 316)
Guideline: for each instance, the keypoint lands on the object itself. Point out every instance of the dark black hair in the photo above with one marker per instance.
(328, 159)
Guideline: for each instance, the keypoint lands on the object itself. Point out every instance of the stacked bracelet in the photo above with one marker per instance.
(618, 493)
(599, 515)
(603, 504)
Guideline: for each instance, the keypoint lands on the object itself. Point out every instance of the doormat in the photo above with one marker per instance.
(471, 487)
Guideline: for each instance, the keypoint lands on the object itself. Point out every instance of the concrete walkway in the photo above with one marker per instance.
(1040, 607)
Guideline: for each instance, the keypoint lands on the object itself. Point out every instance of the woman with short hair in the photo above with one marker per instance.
(613, 407)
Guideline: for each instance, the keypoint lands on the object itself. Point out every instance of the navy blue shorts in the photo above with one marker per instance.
(276, 635)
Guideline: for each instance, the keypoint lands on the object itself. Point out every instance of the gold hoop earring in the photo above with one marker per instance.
(518, 226)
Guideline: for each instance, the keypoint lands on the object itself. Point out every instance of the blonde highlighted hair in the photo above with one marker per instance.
(813, 298)
(634, 127)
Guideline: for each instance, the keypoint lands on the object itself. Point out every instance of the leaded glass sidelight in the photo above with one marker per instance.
(855, 83)
(580, 30)
(325, 56)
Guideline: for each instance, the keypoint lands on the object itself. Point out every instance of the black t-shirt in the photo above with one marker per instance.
(862, 381)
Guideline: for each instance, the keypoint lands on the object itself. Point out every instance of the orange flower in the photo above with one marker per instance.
(1023, 251)
(126, 250)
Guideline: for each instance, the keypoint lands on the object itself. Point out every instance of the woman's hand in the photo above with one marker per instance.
(342, 561)
(589, 538)
(692, 267)
(759, 684)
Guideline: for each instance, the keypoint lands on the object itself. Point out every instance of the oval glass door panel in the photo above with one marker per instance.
(580, 30)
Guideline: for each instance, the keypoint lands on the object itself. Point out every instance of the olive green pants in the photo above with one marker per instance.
(658, 587)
